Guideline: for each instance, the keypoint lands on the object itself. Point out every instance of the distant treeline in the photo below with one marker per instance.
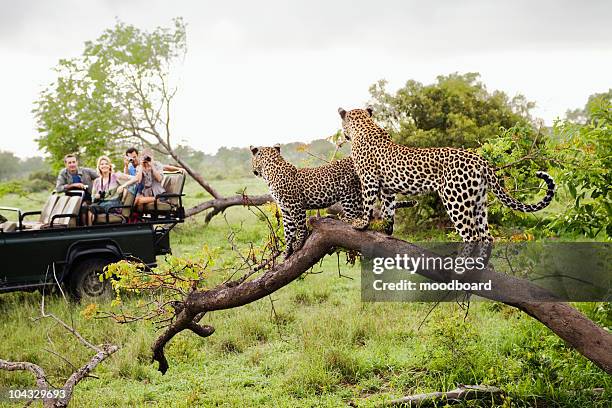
(235, 162)
(227, 163)
(12, 167)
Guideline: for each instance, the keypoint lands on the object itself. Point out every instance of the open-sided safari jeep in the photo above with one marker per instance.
(55, 247)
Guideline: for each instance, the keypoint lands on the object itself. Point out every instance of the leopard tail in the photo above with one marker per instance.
(506, 199)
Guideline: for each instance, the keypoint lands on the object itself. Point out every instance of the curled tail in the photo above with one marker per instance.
(502, 194)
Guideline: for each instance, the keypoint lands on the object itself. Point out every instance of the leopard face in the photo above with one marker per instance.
(262, 156)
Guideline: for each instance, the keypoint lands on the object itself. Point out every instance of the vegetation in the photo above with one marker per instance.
(283, 350)
(12, 167)
(457, 111)
(292, 356)
(117, 91)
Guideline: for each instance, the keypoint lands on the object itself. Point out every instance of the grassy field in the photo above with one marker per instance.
(323, 347)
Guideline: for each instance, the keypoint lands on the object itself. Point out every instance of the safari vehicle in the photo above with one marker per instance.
(56, 249)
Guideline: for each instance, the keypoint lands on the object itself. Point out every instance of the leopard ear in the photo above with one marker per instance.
(342, 113)
(370, 110)
(254, 150)
(277, 147)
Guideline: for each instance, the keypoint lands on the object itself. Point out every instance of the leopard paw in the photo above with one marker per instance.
(359, 224)
(287, 253)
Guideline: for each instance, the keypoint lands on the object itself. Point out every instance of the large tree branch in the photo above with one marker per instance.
(220, 204)
(568, 323)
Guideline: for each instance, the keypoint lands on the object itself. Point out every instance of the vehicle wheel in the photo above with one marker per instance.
(85, 279)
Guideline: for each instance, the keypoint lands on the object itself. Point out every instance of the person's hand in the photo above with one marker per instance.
(80, 186)
(120, 189)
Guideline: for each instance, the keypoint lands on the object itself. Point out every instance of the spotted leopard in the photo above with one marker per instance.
(299, 189)
(460, 177)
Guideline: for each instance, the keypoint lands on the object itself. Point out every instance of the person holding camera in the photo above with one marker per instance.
(107, 190)
(149, 174)
(132, 164)
(131, 161)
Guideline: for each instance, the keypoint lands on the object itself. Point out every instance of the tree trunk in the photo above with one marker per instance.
(577, 330)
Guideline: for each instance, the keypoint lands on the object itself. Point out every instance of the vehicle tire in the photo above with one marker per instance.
(85, 279)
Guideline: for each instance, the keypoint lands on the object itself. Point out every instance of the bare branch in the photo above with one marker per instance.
(106, 351)
(220, 204)
(39, 373)
(462, 393)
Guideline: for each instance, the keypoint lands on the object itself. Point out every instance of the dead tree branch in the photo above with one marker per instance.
(577, 330)
(61, 400)
(461, 393)
(218, 205)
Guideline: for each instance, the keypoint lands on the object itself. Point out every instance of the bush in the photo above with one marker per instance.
(583, 154)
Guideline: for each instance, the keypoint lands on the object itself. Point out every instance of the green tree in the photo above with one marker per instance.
(75, 115)
(9, 165)
(583, 156)
(583, 115)
(110, 95)
(457, 110)
(119, 91)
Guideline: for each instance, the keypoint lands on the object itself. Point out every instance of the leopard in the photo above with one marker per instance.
(297, 190)
(459, 176)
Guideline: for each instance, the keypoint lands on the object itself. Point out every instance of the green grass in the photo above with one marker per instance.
(324, 347)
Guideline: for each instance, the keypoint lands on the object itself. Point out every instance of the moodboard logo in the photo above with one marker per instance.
(507, 272)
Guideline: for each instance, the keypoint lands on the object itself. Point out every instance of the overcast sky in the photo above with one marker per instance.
(262, 72)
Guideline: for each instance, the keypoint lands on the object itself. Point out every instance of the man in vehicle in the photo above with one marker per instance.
(73, 177)
(132, 161)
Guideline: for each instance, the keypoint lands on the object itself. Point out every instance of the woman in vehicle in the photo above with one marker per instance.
(108, 188)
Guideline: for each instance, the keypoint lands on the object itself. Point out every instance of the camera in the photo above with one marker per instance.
(102, 195)
(146, 158)
(131, 160)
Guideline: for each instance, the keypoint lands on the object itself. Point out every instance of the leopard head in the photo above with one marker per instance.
(354, 120)
(261, 156)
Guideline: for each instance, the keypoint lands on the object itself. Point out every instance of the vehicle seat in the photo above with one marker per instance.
(72, 207)
(45, 213)
(58, 208)
(127, 200)
(8, 226)
(173, 183)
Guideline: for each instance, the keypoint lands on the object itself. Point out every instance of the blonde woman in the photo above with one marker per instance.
(107, 190)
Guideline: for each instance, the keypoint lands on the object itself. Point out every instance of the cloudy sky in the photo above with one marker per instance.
(261, 72)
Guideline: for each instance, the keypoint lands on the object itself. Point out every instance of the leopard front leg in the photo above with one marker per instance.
(352, 204)
(295, 228)
(300, 225)
(290, 229)
(369, 191)
(388, 210)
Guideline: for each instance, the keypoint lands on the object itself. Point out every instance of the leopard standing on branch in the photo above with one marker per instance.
(460, 177)
(299, 189)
